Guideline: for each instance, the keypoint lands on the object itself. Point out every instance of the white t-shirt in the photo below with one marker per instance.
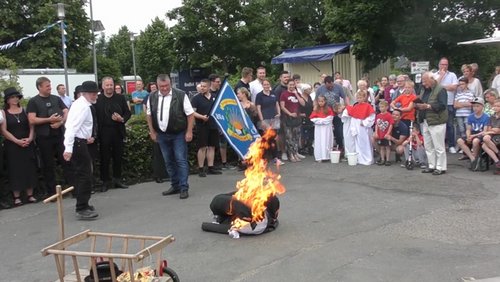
(496, 83)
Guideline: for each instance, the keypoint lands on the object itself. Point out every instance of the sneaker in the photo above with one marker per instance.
(460, 151)
(184, 195)
(284, 157)
(402, 165)
(278, 161)
(86, 214)
(423, 166)
(452, 150)
(213, 171)
(300, 156)
(201, 172)
(227, 166)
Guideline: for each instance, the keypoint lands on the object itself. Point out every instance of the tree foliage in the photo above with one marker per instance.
(223, 34)
(422, 30)
(9, 78)
(154, 52)
(120, 49)
(105, 67)
(26, 17)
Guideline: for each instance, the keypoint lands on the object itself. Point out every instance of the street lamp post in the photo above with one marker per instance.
(93, 41)
(61, 14)
(132, 38)
(95, 27)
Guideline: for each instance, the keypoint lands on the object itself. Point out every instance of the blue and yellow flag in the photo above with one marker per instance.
(233, 120)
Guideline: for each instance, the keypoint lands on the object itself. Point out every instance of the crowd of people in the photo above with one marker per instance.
(418, 122)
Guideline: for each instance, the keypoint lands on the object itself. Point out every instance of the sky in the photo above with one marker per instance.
(136, 15)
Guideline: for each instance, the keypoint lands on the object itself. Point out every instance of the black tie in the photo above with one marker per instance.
(94, 121)
(161, 109)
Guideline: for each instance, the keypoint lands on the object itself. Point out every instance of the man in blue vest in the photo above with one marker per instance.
(170, 119)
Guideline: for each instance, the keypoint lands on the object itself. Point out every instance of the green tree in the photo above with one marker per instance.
(154, 51)
(368, 24)
(120, 49)
(22, 17)
(298, 22)
(437, 26)
(105, 67)
(8, 74)
(223, 34)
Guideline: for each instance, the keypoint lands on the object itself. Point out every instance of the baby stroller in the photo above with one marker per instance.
(410, 162)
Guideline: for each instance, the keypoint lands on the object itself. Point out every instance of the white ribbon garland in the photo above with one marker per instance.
(19, 41)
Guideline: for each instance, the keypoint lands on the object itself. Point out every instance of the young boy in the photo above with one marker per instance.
(418, 149)
(477, 124)
(358, 121)
(491, 138)
(463, 105)
(383, 127)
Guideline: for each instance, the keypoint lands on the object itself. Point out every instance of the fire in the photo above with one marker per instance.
(260, 183)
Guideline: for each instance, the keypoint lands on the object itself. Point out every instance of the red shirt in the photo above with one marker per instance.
(291, 102)
(382, 123)
(320, 114)
(405, 101)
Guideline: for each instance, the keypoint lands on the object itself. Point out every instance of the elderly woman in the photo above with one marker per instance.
(474, 84)
(290, 102)
(19, 147)
(490, 95)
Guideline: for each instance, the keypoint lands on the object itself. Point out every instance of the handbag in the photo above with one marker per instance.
(292, 121)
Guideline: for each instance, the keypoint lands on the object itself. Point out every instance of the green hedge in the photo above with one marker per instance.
(139, 147)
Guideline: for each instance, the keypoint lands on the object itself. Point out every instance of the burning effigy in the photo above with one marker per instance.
(253, 208)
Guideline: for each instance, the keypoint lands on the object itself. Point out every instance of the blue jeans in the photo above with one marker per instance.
(461, 122)
(174, 150)
(450, 127)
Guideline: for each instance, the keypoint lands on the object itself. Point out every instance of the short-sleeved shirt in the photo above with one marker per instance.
(291, 102)
(267, 104)
(382, 122)
(477, 124)
(202, 106)
(462, 97)
(494, 121)
(449, 78)
(44, 107)
(400, 129)
(139, 95)
(405, 101)
(241, 84)
(332, 96)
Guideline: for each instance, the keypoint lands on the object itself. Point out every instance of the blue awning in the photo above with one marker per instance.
(310, 54)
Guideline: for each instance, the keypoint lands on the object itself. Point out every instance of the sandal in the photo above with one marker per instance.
(463, 158)
(32, 199)
(17, 202)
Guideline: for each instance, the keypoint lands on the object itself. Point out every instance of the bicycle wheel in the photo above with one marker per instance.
(167, 271)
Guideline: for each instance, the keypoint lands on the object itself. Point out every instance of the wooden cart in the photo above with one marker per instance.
(134, 251)
(150, 252)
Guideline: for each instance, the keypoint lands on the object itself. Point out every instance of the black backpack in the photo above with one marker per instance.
(103, 272)
(481, 163)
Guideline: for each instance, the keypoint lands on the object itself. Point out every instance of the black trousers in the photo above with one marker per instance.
(159, 169)
(338, 131)
(111, 148)
(82, 162)
(52, 147)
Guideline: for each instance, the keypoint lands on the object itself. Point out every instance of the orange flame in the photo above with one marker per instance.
(260, 182)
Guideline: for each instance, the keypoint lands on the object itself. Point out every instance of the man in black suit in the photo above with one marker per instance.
(112, 114)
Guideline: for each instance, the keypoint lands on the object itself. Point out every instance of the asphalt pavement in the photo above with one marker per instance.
(337, 223)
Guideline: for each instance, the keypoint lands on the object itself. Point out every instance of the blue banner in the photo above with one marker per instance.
(233, 120)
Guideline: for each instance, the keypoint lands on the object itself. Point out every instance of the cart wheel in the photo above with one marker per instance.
(410, 165)
(167, 271)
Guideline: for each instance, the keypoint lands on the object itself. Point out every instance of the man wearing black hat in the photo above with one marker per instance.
(81, 126)
(48, 113)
